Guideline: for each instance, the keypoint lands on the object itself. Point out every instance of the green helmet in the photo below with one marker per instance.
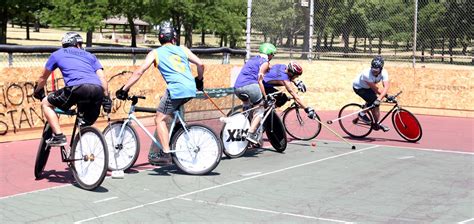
(267, 48)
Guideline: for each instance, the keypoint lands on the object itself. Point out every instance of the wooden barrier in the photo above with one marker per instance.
(434, 91)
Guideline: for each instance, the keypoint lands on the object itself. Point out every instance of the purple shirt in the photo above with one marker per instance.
(277, 72)
(77, 66)
(249, 73)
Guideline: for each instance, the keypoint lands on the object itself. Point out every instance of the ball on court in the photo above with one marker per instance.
(313, 144)
(353, 147)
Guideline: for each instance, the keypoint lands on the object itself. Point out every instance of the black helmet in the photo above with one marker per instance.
(377, 62)
(166, 33)
(71, 39)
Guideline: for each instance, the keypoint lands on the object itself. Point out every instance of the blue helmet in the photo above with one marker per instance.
(377, 62)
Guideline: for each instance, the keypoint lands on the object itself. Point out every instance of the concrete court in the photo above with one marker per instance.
(328, 183)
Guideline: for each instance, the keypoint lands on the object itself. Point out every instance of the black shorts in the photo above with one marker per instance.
(367, 94)
(87, 97)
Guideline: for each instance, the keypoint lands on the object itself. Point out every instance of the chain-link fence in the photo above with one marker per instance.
(442, 31)
(18, 59)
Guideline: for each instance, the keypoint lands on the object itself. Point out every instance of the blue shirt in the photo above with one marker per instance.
(249, 73)
(77, 66)
(173, 63)
(277, 72)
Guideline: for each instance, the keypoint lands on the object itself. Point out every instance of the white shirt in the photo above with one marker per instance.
(360, 82)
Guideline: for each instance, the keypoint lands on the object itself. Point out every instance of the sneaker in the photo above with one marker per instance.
(365, 119)
(384, 128)
(252, 137)
(57, 140)
(155, 159)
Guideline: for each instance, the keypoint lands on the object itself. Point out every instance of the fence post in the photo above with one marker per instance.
(415, 26)
(226, 58)
(249, 14)
(10, 59)
(311, 24)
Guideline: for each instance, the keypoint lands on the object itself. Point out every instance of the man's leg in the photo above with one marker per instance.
(51, 116)
(162, 130)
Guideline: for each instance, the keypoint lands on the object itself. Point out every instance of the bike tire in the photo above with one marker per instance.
(121, 156)
(406, 125)
(276, 134)
(352, 125)
(229, 152)
(185, 156)
(44, 149)
(90, 158)
(299, 126)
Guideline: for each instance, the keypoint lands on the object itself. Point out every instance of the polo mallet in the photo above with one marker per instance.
(212, 101)
(336, 134)
(117, 173)
(348, 115)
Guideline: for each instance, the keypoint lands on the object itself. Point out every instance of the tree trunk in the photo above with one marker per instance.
(370, 45)
(422, 54)
(325, 41)
(452, 43)
(380, 44)
(365, 44)
(345, 37)
(203, 36)
(133, 31)
(432, 47)
(89, 38)
(355, 44)
(3, 25)
(27, 27)
(188, 34)
(332, 41)
(442, 49)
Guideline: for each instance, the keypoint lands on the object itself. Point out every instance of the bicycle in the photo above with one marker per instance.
(237, 124)
(195, 148)
(87, 156)
(298, 125)
(404, 122)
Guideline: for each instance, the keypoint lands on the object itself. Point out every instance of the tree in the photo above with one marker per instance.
(431, 18)
(85, 14)
(130, 9)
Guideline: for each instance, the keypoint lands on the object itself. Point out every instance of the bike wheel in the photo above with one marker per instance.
(90, 158)
(275, 132)
(197, 151)
(407, 125)
(122, 155)
(232, 135)
(299, 126)
(352, 125)
(43, 151)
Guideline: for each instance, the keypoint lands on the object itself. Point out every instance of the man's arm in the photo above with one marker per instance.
(386, 86)
(149, 60)
(103, 80)
(293, 93)
(197, 61)
(43, 78)
(261, 73)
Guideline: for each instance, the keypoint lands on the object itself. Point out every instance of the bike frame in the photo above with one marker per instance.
(394, 108)
(131, 117)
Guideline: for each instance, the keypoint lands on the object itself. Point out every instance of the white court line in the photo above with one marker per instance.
(403, 147)
(267, 211)
(225, 184)
(466, 221)
(35, 191)
(105, 199)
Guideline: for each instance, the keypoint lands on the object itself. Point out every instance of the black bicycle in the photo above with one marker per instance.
(237, 124)
(86, 155)
(405, 123)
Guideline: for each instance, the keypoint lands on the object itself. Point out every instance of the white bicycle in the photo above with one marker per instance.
(195, 148)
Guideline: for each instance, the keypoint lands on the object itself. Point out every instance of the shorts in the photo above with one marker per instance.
(250, 93)
(281, 98)
(367, 94)
(168, 106)
(87, 97)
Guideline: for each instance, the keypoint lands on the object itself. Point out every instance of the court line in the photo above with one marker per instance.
(403, 147)
(105, 199)
(265, 210)
(223, 185)
(35, 191)
(466, 221)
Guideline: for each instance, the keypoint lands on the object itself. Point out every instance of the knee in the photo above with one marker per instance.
(159, 118)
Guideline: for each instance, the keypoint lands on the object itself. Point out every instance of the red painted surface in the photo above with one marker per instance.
(17, 158)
